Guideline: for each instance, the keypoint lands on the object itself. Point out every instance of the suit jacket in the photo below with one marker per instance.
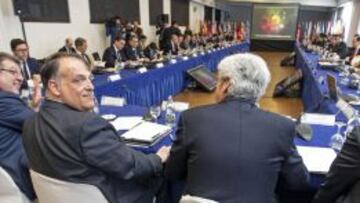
(344, 172)
(169, 48)
(13, 159)
(341, 49)
(34, 68)
(234, 152)
(132, 53)
(63, 49)
(81, 147)
(110, 56)
(150, 53)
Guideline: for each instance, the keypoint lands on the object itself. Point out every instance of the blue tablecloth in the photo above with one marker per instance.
(321, 138)
(156, 85)
(315, 93)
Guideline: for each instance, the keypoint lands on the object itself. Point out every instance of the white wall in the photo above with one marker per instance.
(196, 15)
(46, 38)
(330, 3)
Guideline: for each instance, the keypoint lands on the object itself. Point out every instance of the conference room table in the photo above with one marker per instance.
(157, 84)
(315, 93)
(321, 138)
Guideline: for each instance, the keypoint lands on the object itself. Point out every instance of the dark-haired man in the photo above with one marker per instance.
(132, 51)
(13, 113)
(29, 66)
(114, 53)
(67, 141)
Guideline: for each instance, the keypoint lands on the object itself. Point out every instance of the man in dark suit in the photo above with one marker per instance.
(132, 50)
(114, 53)
(172, 47)
(13, 113)
(168, 32)
(234, 152)
(344, 173)
(29, 66)
(68, 47)
(338, 46)
(67, 141)
(81, 48)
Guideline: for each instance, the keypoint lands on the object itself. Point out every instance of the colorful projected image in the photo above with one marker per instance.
(274, 22)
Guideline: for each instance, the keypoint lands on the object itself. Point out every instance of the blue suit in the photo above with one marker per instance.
(234, 152)
(13, 113)
(33, 66)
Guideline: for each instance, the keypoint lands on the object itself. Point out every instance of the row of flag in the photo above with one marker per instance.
(240, 30)
(308, 30)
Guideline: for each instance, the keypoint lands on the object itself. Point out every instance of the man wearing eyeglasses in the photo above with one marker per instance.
(13, 112)
(29, 65)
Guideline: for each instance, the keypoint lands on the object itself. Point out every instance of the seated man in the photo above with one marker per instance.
(185, 44)
(114, 53)
(151, 51)
(233, 151)
(67, 141)
(81, 47)
(68, 47)
(132, 51)
(13, 113)
(338, 46)
(172, 47)
(344, 172)
(29, 66)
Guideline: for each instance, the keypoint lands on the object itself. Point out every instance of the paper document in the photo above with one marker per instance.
(318, 119)
(317, 159)
(126, 123)
(112, 101)
(146, 132)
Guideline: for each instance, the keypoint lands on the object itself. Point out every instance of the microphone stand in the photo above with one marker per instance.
(22, 24)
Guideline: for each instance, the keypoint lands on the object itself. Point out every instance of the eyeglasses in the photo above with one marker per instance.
(12, 72)
(21, 50)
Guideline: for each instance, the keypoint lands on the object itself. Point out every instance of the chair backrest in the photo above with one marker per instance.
(9, 192)
(58, 191)
(194, 199)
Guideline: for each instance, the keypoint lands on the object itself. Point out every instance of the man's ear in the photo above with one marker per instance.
(224, 86)
(54, 88)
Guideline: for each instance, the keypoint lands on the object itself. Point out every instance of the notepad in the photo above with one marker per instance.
(146, 132)
(126, 122)
(317, 159)
(318, 119)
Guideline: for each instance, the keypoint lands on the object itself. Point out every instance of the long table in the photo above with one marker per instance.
(321, 138)
(315, 93)
(155, 85)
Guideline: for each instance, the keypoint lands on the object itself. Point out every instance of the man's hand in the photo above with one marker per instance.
(36, 97)
(163, 153)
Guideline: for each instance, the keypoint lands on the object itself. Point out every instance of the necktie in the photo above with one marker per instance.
(85, 57)
(26, 71)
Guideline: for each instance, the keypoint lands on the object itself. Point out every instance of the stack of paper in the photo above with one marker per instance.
(317, 159)
(146, 132)
(318, 119)
(126, 123)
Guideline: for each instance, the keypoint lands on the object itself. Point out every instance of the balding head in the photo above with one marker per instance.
(67, 80)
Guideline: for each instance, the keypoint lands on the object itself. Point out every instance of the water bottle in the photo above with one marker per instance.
(170, 116)
(353, 122)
